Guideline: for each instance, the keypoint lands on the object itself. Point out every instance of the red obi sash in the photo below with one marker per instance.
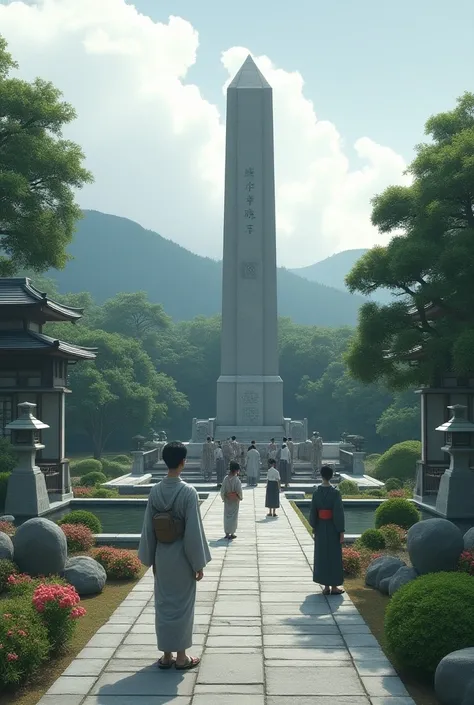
(325, 513)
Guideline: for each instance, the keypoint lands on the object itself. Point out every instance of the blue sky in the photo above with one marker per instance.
(373, 68)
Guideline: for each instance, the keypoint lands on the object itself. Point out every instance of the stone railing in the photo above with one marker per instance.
(346, 460)
(145, 460)
(351, 460)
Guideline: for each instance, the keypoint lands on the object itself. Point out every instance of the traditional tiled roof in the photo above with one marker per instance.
(20, 292)
(24, 340)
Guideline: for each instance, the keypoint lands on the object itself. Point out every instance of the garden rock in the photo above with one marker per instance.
(384, 586)
(40, 547)
(374, 574)
(469, 540)
(403, 576)
(6, 547)
(8, 517)
(434, 546)
(85, 574)
(454, 678)
(388, 568)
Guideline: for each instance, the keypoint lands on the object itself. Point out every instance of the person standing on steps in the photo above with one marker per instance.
(207, 460)
(284, 465)
(219, 463)
(272, 451)
(272, 496)
(231, 493)
(173, 542)
(252, 465)
(326, 517)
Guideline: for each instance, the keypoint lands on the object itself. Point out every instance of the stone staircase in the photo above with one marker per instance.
(302, 473)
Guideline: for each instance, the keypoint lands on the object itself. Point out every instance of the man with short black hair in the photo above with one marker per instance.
(178, 559)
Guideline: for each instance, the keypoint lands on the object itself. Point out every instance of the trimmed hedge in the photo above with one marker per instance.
(84, 466)
(113, 469)
(397, 511)
(91, 479)
(373, 539)
(399, 461)
(348, 487)
(80, 516)
(430, 618)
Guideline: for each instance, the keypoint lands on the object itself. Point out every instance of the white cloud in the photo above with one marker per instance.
(156, 146)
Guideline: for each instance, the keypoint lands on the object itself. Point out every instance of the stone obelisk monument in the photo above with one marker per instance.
(249, 389)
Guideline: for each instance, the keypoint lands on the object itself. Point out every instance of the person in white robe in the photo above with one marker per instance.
(177, 566)
(291, 448)
(235, 445)
(272, 451)
(316, 452)
(227, 451)
(219, 463)
(232, 495)
(252, 465)
(284, 465)
(207, 459)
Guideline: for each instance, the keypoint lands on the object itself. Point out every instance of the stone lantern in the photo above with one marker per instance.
(27, 495)
(455, 498)
(139, 441)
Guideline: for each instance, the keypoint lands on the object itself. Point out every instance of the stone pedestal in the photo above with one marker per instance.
(358, 467)
(27, 495)
(455, 498)
(138, 466)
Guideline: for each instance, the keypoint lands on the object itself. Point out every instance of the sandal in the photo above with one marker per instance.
(165, 665)
(191, 662)
(326, 591)
(339, 591)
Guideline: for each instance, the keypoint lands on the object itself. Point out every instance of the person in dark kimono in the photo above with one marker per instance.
(326, 518)
(177, 565)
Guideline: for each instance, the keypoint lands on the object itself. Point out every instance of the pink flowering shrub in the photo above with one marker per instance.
(466, 562)
(58, 608)
(397, 493)
(119, 564)
(79, 537)
(7, 568)
(7, 528)
(24, 644)
(394, 535)
(351, 562)
(83, 491)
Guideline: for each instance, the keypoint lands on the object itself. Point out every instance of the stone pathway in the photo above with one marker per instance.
(266, 634)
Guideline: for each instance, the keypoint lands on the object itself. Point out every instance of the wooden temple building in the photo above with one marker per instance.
(445, 390)
(34, 368)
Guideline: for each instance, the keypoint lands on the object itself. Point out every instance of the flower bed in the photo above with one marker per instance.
(119, 564)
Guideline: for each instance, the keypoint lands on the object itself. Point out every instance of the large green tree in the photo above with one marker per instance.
(428, 264)
(39, 172)
(131, 314)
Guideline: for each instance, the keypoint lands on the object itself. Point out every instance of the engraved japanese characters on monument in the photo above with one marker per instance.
(249, 211)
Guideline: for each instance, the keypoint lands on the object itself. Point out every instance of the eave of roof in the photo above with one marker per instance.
(19, 291)
(27, 340)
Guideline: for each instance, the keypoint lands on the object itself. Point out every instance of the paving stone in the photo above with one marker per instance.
(375, 668)
(323, 680)
(317, 700)
(231, 689)
(367, 654)
(150, 638)
(106, 640)
(384, 686)
(86, 667)
(72, 685)
(136, 700)
(392, 701)
(245, 609)
(302, 640)
(145, 683)
(228, 699)
(96, 652)
(289, 609)
(233, 650)
(61, 700)
(301, 629)
(232, 640)
(234, 630)
(353, 629)
(363, 640)
(336, 656)
(217, 668)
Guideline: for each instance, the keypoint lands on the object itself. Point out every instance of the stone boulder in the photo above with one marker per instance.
(8, 517)
(6, 546)
(404, 575)
(40, 547)
(454, 678)
(384, 586)
(469, 540)
(85, 574)
(434, 545)
(380, 568)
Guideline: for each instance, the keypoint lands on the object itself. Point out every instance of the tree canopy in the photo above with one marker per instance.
(428, 264)
(39, 172)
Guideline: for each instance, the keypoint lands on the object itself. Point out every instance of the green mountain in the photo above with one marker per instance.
(332, 271)
(112, 254)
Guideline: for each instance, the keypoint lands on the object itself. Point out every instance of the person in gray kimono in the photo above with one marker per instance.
(208, 459)
(177, 565)
(232, 495)
(326, 518)
(219, 463)
(227, 451)
(316, 452)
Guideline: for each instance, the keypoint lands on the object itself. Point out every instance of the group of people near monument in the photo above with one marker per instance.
(174, 544)
(217, 456)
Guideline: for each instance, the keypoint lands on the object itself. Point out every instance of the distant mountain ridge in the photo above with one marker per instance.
(113, 254)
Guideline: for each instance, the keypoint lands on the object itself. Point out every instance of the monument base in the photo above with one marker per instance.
(296, 430)
(456, 490)
(246, 434)
(27, 495)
